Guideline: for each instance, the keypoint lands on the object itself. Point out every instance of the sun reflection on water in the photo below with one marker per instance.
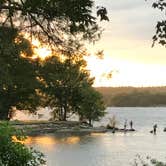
(49, 141)
(72, 140)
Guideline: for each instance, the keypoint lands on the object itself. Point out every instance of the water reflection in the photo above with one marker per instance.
(108, 148)
(49, 141)
(96, 134)
(72, 140)
(44, 141)
(97, 149)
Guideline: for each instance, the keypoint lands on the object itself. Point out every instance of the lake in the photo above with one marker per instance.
(108, 149)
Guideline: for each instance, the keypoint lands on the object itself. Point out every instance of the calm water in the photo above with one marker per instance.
(108, 149)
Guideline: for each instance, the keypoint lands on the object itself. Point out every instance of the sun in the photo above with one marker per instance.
(40, 51)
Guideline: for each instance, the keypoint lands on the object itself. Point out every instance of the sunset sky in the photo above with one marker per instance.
(126, 42)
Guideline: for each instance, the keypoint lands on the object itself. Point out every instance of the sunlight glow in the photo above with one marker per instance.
(40, 51)
(125, 72)
(72, 140)
(50, 142)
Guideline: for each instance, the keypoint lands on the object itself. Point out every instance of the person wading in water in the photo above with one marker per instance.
(154, 129)
(125, 125)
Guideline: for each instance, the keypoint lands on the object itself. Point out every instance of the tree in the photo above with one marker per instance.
(13, 152)
(160, 35)
(139, 161)
(51, 20)
(68, 89)
(63, 77)
(92, 106)
(18, 83)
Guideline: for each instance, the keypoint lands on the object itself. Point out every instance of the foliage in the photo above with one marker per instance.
(66, 85)
(113, 122)
(58, 80)
(18, 81)
(61, 81)
(91, 106)
(139, 161)
(160, 35)
(52, 20)
(14, 153)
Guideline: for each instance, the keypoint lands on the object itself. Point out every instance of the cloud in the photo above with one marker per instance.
(133, 20)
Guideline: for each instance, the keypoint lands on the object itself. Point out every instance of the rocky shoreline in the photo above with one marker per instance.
(115, 129)
(37, 128)
(45, 127)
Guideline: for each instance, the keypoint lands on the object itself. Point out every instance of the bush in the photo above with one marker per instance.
(12, 150)
(139, 161)
(112, 122)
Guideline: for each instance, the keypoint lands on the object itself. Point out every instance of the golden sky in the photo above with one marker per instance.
(126, 42)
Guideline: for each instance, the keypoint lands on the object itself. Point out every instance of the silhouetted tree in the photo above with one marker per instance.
(63, 76)
(51, 20)
(18, 83)
(160, 35)
(92, 107)
(68, 85)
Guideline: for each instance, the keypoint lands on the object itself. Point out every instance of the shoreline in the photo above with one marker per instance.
(46, 127)
(56, 127)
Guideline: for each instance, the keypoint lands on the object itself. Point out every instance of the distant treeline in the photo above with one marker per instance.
(133, 97)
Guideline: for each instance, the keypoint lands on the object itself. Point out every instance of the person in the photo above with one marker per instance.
(131, 124)
(154, 129)
(125, 125)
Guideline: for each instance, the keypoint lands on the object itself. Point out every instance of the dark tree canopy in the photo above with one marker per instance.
(18, 81)
(92, 107)
(63, 78)
(57, 22)
(52, 20)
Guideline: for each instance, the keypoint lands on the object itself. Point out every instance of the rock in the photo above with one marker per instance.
(111, 128)
(113, 131)
(131, 130)
(151, 131)
(84, 127)
(164, 129)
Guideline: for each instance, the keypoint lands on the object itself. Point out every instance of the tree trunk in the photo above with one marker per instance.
(65, 112)
(4, 114)
(60, 114)
(90, 121)
(81, 118)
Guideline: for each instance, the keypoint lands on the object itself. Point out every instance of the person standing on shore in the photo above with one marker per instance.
(131, 125)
